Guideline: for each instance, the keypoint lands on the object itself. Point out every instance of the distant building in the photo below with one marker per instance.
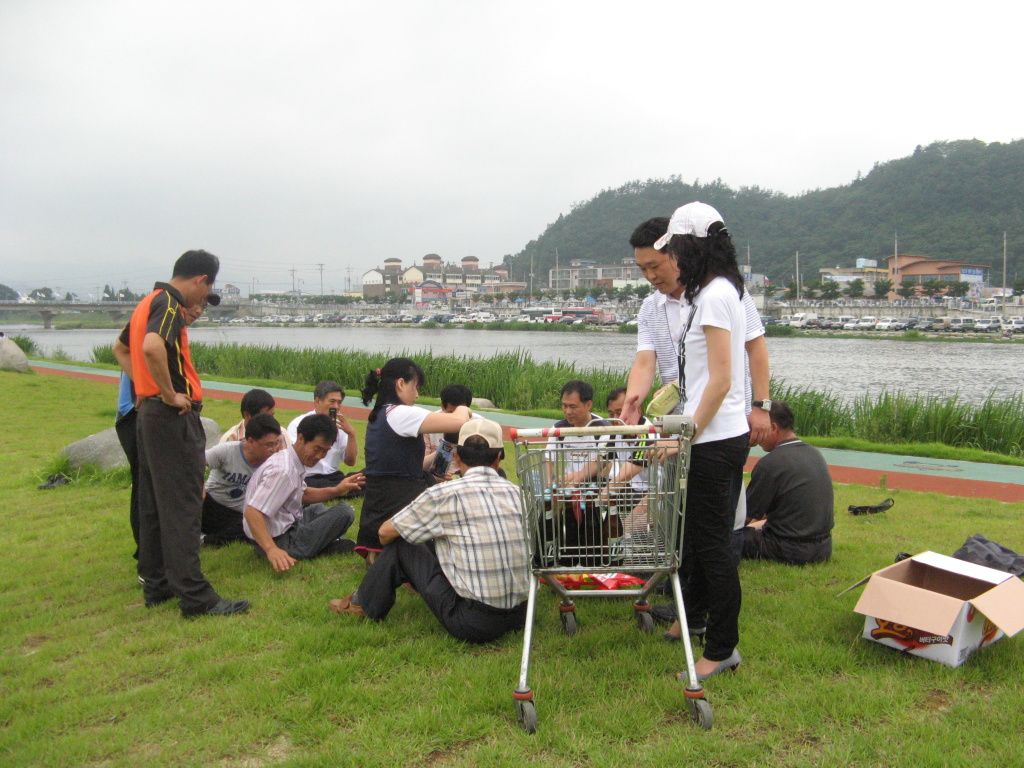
(866, 270)
(230, 293)
(905, 268)
(435, 276)
(589, 274)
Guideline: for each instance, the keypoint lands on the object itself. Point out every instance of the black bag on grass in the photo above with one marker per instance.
(980, 551)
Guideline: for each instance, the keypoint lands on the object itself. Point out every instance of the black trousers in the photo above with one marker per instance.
(125, 428)
(465, 619)
(709, 561)
(221, 525)
(172, 457)
(759, 544)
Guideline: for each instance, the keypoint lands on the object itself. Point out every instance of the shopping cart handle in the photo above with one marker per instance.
(675, 424)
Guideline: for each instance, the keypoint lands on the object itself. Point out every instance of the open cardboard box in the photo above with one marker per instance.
(940, 608)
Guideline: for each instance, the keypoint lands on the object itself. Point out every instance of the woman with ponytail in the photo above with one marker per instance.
(394, 448)
(712, 392)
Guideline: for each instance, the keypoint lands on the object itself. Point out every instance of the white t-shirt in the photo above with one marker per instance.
(334, 456)
(573, 452)
(406, 420)
(229, 475)
(718, 305)
(660, 324)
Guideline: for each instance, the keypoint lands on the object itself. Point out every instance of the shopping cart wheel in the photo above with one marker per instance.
(700, 713)
(526, 713)
(645, 622)
(569, 625)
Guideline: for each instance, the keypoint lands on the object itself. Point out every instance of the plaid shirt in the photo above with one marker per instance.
(476, 523)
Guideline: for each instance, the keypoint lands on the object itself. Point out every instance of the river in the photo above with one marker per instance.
(848, 367)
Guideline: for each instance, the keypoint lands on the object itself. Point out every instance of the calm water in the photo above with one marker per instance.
(847, 366)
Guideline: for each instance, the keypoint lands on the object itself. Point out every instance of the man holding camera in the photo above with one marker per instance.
(327, 399)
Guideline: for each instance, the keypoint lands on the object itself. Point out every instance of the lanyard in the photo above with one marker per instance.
(682, 355)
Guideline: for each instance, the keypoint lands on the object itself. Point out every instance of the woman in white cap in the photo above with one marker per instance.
(712, 392)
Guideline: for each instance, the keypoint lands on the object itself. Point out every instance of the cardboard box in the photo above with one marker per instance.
(940, 608)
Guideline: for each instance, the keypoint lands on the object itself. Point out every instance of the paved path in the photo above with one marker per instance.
(910, 473)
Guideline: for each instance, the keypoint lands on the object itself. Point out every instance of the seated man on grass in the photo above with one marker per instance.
(275, 520)
(789, 500)
(254, 402)
(327, 399)
(476, 577)
(452, 396)
(231, 467)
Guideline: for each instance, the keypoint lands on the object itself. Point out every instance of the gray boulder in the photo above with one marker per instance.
(103, 449)
(11, 356)
(482, 402)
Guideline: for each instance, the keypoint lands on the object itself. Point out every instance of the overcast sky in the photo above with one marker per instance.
(287, 135)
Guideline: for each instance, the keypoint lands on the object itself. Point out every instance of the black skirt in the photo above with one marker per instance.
(385, 495)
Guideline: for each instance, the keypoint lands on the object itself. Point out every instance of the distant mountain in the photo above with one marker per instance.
(951, 199)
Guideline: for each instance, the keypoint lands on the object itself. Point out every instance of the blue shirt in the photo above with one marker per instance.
(125, 396)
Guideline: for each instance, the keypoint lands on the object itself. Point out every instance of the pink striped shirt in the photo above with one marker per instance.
(275, 489)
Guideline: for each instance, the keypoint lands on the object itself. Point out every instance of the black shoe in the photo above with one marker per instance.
(663, 614)
(872, 509)
(222, 608)
(340, 546)
(154, 599)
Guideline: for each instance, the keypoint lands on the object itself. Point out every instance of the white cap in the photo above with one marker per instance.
(488, 430)
(691, 219)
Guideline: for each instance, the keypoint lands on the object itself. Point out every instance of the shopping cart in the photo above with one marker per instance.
(584, 512)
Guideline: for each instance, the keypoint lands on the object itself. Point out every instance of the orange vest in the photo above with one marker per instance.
(179, 361)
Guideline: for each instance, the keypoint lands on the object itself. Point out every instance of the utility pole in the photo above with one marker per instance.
(531, 278)
(798, 275)
(1004, 274)
(348, 280)
(321, 281)
(555, 286)
(292, 270)
(896, 259)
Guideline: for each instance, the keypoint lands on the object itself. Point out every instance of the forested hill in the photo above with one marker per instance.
(948, 200)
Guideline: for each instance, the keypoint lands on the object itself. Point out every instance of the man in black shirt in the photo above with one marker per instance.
(789, 499)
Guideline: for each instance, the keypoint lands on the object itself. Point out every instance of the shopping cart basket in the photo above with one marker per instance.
(605, 499)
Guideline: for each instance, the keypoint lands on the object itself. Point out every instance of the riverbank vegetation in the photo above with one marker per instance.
(514, 381)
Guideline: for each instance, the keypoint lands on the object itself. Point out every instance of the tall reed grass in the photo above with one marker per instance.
(511, 380)
(514, 381)
(995, 425)
(28, 346)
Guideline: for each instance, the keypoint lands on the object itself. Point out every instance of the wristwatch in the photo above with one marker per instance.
(765, 405)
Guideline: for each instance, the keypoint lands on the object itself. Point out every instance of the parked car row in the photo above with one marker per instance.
(993, 324)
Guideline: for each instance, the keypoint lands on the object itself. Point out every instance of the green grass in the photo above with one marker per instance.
(89, 677)
(922, 450)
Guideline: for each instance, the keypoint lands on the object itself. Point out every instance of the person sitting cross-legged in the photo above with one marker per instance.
(789, 501)
(475, 578)
(281, 529)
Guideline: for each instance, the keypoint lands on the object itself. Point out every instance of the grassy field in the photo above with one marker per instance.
(89, 677)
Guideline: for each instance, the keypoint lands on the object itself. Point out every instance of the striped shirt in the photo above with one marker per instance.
(476, 524)
(275, 489)
(656, 333)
